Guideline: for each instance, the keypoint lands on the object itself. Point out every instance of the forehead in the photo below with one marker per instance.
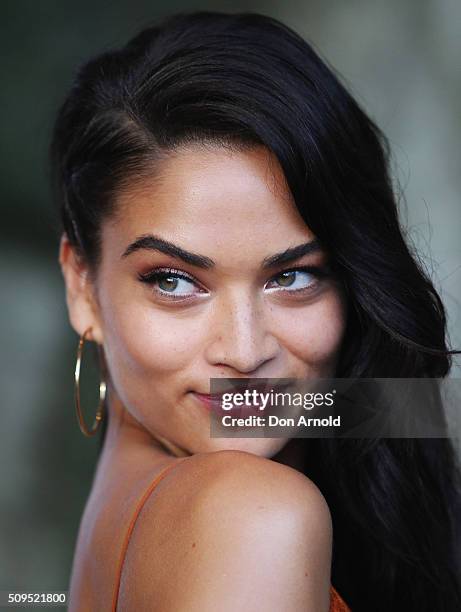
(207, 198)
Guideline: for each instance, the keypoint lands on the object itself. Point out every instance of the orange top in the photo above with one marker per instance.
(337, 604)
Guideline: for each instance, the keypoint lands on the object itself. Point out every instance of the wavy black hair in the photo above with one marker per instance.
(244, 80)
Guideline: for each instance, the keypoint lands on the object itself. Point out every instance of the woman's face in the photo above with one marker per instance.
(221, 308)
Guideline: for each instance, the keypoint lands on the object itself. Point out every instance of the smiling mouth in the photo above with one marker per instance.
(214, 405)
(213, 402)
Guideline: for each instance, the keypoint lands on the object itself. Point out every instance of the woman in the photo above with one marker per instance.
(227, 213)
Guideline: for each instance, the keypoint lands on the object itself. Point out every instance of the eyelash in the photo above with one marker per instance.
(153, 276)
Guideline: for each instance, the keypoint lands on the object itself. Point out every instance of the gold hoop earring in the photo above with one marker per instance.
(102, 391)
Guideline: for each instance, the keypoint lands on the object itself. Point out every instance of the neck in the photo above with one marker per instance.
(173, 449)
(123, 424)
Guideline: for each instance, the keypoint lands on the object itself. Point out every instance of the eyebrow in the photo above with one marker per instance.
(151, 242)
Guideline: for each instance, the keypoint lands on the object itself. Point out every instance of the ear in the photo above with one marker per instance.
(81, 299)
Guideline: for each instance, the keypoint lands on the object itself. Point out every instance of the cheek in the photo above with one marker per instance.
(150, 342)
(314, 333)
(146, 349)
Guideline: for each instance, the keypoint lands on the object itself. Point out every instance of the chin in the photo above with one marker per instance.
(263, 447)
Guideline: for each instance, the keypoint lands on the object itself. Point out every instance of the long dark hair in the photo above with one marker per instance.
(246, 79)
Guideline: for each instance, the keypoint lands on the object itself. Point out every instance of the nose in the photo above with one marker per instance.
(240, 338)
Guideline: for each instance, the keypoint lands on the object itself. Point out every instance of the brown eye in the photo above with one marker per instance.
(171, 284)
(286, 278)
(296, 280)
(167, 283)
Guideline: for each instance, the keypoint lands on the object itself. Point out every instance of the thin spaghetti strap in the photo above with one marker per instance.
(337, 603)
(126, 541)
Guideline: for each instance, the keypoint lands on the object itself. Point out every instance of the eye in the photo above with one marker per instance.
(172, 284)
(169, 283)
(298, 280)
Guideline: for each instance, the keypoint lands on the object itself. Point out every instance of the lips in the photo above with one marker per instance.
(214, 404)
(213, 401)
(240, 389)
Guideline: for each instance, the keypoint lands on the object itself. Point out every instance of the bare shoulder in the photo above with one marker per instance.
(233, 529)
(256, 483)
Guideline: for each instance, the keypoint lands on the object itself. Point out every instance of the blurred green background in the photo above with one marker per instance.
(400, 58)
